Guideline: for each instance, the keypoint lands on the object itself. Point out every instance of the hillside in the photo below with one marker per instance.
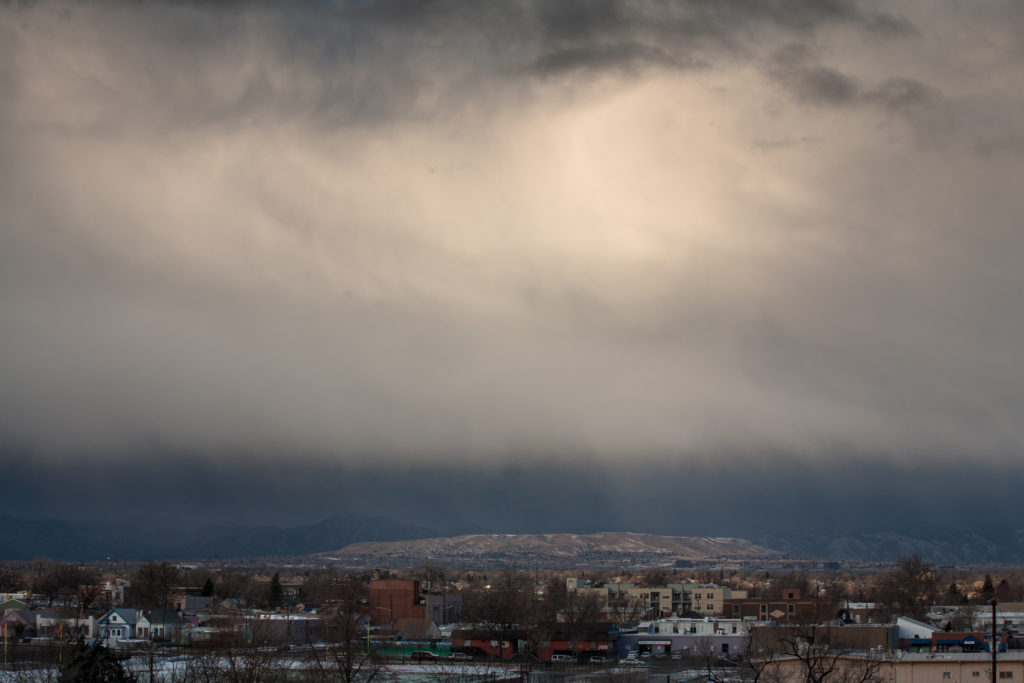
(604, 549)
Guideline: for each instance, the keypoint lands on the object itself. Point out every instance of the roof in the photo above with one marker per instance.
(909, 621)
(24, 616)
(129, 616)
(164, 616)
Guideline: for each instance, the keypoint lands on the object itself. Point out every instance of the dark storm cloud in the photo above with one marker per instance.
(821, 85)
(900, 94)
(624, 56)
(795, 67)
(529, 494)
(888, 25)
(615, 34)
(664, 234)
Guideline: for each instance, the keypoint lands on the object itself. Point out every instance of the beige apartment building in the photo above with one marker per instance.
(674, 598)
(708, 600)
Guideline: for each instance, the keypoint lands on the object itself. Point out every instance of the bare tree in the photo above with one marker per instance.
(10, 578)
(807, 652)
(239, 654)
(963, 618)
(349, 655)
(580, 611)
(151, 584)
(625, 609)
(504, 606)
(909, 589)
(318, 586)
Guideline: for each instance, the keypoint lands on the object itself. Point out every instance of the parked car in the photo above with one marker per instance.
(598, 659)
(460, 656)
(561, 658)
(423, 656)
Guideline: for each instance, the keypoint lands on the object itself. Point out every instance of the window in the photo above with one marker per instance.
(1005, 674)
(975, 674)
(791, 609)
(711, 608)
(711, 596)
(945, 675)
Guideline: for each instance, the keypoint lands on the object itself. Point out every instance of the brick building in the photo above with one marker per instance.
(394, 599)
(791, 608)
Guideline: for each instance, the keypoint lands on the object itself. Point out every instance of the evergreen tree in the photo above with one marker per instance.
(987, 588)
(95, 664)
(207, 588)
(275, 594)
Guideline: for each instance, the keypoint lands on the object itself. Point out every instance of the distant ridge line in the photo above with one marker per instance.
(600, 548)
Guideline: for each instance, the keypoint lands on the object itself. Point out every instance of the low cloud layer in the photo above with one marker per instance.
(450, 232)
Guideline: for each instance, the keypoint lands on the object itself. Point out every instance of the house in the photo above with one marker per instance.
(120, 624)
(47, 622)
(75, 627)
(165, 624)
(19, 623)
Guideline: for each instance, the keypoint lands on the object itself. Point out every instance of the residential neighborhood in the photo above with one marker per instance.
(162, 620)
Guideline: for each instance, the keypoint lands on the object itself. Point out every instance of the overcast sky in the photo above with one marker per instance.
(460, 237)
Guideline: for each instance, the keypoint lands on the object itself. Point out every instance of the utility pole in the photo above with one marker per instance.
(995, 645)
